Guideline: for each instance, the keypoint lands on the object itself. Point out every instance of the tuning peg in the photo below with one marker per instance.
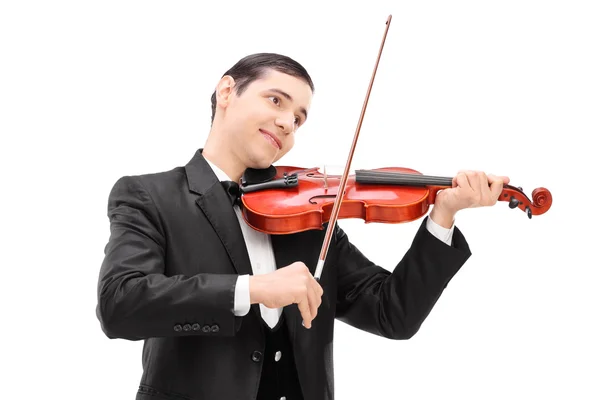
(513, 203)
(520, 188)
(528, 211)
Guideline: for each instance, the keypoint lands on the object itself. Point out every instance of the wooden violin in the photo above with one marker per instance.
(293, 199)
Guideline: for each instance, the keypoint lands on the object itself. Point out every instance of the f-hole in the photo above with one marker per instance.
(321, 196)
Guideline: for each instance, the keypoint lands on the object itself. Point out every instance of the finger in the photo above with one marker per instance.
(473, 178)
(462, 181)
(312, 301)
(455, 179)
(484, 185)
(305, 312)
(319, 288)
(318, 293)
(465, 180)
(504, 179)
(496, 185)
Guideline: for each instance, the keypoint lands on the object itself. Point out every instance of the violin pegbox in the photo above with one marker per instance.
(516, 198)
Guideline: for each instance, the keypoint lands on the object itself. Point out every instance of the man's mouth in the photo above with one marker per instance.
(272, 138)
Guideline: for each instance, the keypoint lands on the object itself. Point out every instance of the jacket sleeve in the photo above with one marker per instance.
(395, 304)
(135, 298)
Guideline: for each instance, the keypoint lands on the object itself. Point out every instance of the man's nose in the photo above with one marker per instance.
(286, 124)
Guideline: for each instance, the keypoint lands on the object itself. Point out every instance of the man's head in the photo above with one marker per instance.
(257, 107)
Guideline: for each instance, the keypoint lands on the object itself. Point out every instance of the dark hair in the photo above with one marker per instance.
(253, 67)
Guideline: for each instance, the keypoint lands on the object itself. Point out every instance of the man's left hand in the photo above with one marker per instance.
(469, 189)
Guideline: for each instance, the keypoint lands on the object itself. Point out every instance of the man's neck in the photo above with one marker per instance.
(221, 155)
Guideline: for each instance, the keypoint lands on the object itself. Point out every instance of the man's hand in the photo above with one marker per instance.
(292, 284)
(469, 189)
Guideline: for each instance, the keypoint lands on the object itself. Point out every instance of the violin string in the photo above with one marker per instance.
(383, 177)
(395, 174)
(388, 181)
(408, 177)
(388, 173)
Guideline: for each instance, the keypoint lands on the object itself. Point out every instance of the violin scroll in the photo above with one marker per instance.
(516, 198)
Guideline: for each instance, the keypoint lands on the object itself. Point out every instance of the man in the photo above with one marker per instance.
(227, 312)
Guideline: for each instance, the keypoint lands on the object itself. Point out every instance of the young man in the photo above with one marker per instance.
(227, 312)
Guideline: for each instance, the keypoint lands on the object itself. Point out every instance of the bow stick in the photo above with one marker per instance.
(342, 187)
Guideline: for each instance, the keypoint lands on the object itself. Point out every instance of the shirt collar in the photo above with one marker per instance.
(222, 176)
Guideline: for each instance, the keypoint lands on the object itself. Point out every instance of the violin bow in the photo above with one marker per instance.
(342, 187)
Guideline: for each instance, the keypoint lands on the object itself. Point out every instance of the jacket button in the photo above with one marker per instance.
(187, 327)
(214, 328)
(177, 328)
(206, 329)
(196, 327)
(256, 356)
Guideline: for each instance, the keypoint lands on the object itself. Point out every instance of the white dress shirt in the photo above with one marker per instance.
(262, 259)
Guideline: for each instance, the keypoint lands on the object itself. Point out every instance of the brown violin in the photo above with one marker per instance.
(297, 199)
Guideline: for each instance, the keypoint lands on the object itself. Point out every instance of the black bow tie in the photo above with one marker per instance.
(233, 191)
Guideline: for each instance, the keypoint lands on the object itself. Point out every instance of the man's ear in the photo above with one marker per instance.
(224, 91)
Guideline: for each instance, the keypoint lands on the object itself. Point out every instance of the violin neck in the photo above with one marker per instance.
(366, 176)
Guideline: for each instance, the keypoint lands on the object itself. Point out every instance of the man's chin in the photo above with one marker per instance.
(262, 165)
(261, 161)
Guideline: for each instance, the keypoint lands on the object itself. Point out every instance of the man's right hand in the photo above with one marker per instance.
(292, 284)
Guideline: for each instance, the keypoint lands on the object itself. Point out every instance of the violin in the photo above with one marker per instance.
(291, 199)
(286, 199)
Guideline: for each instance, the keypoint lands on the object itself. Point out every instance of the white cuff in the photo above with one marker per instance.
(444, 234)
(241, 298)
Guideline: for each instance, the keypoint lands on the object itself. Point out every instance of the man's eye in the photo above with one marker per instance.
(275, 99)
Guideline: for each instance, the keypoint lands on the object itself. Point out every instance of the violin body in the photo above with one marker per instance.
(383, 195)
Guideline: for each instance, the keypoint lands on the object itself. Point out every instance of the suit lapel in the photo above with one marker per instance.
(217, 209)
(215, 204)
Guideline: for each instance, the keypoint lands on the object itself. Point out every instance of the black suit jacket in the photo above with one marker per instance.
(168, 278)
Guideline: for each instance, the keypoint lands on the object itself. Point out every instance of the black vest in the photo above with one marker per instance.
(279, 378)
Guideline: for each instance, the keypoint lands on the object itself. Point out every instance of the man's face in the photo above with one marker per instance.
(261, 122)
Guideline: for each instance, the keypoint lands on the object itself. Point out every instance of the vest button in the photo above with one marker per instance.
(282, 398)
(278, 356)
(256, 356)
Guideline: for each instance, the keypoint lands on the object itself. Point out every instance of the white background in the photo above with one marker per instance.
(91, 91)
